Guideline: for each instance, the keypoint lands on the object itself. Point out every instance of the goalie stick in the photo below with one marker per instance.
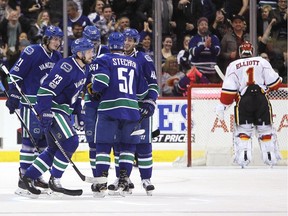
(219, 72)
(100, 180)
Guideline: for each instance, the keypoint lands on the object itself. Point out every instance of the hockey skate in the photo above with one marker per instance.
(148, 186)
(113, 188)
(56, 187)
(99, 189)
(123, 184)
(29, 184)
(22, 189)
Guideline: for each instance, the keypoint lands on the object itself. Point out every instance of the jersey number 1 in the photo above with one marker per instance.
(250, 73)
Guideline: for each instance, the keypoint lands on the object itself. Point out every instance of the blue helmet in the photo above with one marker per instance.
(53, 31)
(92, 33)
(116, 41)
(81, 45)
(132, 33)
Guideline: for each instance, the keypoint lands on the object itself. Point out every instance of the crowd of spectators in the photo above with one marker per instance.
(199, 33)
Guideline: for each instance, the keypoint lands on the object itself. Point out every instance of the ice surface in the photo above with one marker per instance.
(179, 191)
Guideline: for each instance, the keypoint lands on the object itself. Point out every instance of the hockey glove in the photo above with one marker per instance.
(94, 96)
(46, 119)
(79, 121)
(13, 100)
(220, 109)
(147, 107)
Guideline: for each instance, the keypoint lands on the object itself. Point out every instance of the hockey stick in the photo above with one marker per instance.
(99, 180)
(140, 131)
(22, 121)
(219, 72)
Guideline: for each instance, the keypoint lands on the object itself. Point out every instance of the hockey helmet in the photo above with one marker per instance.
(116, 41)
(246, 49)
(81, 45)
(92, 33)
(132, 33)
(53, 31)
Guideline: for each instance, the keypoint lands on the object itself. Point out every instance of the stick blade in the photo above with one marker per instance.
(137, 132)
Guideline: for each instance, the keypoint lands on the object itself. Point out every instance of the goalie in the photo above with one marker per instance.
(247, 81)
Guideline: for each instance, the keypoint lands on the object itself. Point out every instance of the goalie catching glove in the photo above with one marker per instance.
(79, 121)
(94, 96)
(147, 107)
(220, 109)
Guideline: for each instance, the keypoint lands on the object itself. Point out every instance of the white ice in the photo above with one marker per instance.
(179, 191)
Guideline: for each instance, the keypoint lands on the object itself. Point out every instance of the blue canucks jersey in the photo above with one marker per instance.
(31, 68)
(102, 49)
(149, 72)
(120, 79)
(60, 91)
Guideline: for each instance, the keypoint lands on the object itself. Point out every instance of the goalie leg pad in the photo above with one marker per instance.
(243, 144)
(268, 144)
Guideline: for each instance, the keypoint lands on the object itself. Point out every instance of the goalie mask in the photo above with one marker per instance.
(246, 50)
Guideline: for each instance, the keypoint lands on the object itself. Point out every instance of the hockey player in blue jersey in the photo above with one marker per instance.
(34, 63)
(92, 33)
(118, 84)
(144, 149)
(58, 97)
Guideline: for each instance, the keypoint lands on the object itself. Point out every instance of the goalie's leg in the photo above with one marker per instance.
(268, 144)
(243, 144)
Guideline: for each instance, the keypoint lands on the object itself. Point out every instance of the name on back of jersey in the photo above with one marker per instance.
(125, 62)
(247, 63)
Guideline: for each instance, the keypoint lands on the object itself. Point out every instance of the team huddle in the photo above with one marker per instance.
(118, 85)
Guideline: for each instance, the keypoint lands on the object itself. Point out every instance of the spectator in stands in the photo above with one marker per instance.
(74, 16)
(166, 50)
(145, 42)
(186, 14)
(10, 30)
(122, 24)
(37, 30)
(231, 41)
(236, 7)
(96, 13)
(55, 10)
(77, 30)
(3, 7)
(183, 55)
(170, 76)
(31, 9)
(107, 24)
(220, 25)
(204, 50)
(168, 24)
(264, 19)
(279, 30)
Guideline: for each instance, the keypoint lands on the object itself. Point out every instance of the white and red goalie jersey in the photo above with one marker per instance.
(248, 71)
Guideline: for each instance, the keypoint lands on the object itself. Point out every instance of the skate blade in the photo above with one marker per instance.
(113, 192)
(26, 193)
(99, 194)
(149, 193)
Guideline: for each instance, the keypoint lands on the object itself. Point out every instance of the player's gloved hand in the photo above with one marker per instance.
(13, 100)
(147, 107)
(94, 96)
(46, 118)
(79, 120)
(220, 109)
